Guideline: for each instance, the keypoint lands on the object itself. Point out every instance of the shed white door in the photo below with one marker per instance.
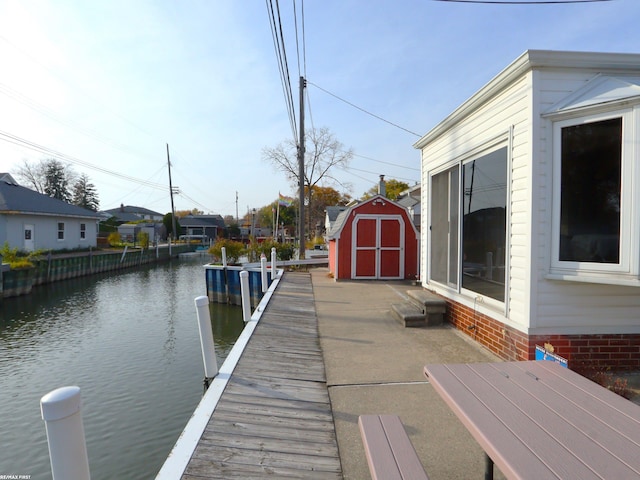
(378, 247)
(29, 240)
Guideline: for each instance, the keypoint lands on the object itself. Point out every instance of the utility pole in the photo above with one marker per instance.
(173, 210)
(301, 172)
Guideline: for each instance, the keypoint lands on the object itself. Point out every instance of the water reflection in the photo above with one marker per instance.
(130, 341)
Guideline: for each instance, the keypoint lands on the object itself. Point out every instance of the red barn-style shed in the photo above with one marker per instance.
(374, 239)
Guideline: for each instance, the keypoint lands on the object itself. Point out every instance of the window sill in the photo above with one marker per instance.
(626, 281)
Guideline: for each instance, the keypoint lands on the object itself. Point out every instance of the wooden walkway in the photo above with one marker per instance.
(274, 418)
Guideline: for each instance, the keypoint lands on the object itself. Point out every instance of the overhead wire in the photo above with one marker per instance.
(363, 110)
(45, 111)
(14, 139)
(283, 66)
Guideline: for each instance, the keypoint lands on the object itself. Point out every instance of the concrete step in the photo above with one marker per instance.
(408, 314)
(431, 305)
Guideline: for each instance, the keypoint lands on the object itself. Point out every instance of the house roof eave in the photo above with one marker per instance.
(528, 61)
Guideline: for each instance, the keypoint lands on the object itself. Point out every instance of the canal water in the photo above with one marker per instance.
(130, 341)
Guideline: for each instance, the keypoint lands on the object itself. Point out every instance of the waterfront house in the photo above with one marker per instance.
(132, 214)
(532, 231)
(32, 221)
(208, 227)
(374, 239)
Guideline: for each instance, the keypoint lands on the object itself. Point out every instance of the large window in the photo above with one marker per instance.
(468, 224)
(593, 223)
(590, 186)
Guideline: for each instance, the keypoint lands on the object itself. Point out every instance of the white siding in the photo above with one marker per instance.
(564, 306)
(509, 109)
(536, 305)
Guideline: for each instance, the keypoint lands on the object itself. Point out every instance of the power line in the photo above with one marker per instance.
(363, 110)
(9, 138)
(283, 67)
(386, 163)
(348, 170)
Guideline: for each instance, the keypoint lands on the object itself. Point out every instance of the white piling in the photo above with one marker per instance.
(206, 337)
(246, 295)
(62, 412)
(224, 257)
(274, 257)
(263, 273)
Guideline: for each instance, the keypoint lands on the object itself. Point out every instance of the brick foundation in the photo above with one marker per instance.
(613, 352)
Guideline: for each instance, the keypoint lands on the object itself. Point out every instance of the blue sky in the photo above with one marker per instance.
(108, 84)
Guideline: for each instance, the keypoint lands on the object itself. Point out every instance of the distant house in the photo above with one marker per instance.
(131, 214)
(331, 214)
(411, 200)
(532, 231)
(209, 226)
(129, 231)
(32, 221)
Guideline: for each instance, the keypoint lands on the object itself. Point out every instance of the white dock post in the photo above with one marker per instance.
(263, 273)
(224, 257)
(62, 412)
(206, 339)
(274, 257)
(246, 295)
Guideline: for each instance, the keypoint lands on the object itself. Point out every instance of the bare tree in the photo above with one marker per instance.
(323, 152)
(50, 177)
(33, 175)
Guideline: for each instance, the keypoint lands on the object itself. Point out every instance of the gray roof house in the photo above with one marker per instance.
(33, 221)
(131, 214)
(210, 225)
(411, 200)
(331, 215)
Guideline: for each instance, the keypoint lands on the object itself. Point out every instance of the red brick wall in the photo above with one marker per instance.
(615, 352)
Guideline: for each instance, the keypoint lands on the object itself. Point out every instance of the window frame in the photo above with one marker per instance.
(628, 259)
(499, 142)
(83, 231)
(61, 227)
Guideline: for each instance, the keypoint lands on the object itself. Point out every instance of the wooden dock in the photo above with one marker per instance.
(274, 418)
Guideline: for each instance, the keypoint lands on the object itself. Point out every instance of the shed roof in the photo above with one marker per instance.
(343, 216)
(339, 223)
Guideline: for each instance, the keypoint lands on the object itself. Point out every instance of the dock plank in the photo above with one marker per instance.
(274, 418)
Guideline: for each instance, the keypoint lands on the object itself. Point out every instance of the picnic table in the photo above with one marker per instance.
(538, 420)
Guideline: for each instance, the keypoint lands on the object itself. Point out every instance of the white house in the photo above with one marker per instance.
(532, 226)
(32, 221)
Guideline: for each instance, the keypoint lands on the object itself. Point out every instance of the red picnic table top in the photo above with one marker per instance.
(536, 419)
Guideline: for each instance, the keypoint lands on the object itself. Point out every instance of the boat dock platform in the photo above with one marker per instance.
(317, 354)
(273, 418)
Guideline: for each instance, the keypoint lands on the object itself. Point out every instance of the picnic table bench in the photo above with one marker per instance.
(536, 419)
(390, 453)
